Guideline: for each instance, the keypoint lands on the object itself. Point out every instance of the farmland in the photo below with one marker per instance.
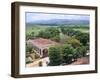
(37, 28)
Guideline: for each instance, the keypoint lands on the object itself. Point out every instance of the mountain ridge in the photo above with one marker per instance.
(60, 22)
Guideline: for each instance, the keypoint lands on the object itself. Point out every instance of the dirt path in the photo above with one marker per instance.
(83, 60)
(36, 63)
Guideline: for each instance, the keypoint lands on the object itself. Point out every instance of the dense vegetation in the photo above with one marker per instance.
(55, 56)
(30, 53)
(74, 42)
(50, 33)
(66, 53)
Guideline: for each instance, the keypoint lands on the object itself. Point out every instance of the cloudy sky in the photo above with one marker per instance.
(32, 17)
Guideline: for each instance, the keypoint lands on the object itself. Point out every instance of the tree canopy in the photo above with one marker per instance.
(55, 56)
(50, 33)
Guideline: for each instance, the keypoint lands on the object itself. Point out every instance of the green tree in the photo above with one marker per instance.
(67, 31)
(84, 51)
(55, 56)
(30, 36)
(67, 53)
(83, 38)
(49, 33)
(44, 34)
(74, 42)
(28, 49)
(56, 38)
(80, 52)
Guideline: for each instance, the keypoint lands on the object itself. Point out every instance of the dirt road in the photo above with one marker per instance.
(36, 63)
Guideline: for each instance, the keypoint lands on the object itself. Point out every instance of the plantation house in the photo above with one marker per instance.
(41, 45)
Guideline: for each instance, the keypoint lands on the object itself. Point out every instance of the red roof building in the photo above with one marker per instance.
(41, 45)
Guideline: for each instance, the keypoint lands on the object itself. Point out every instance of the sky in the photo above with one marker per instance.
(33, 17)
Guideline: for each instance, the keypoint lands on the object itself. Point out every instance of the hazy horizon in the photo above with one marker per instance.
(35, 17)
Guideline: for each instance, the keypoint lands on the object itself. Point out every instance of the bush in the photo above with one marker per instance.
(28, 61)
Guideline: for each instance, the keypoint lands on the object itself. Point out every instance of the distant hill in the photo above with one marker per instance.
(59, 22)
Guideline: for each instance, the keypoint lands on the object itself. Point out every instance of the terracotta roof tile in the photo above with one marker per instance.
(42, 43)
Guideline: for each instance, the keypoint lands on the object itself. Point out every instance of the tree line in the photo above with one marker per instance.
(52, 33)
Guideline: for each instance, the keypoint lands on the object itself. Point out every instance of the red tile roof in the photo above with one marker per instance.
(42, 43)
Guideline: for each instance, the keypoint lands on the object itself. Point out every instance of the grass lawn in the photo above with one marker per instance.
(82, 30)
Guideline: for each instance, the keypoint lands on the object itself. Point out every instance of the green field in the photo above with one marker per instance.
(37, 28)
(82, 30)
